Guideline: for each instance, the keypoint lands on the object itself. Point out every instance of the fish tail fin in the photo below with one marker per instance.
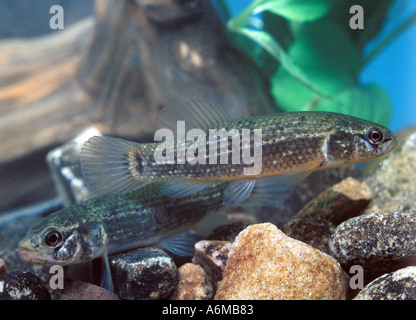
(111, 165)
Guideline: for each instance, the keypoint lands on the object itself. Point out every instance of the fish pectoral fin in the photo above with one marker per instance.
(105, 165)
(299, 173)
(273, 190)
(182, 187)
(210, 222)
(106, 278)
(238, 191)
(200, 113)
(181, 244)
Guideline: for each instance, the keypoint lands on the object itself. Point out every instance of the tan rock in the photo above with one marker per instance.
(2, 268)
(342, 201)
(194, 284)
(264, 263)
(79, 290)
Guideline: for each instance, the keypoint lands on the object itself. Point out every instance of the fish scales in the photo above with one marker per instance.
(155, 214)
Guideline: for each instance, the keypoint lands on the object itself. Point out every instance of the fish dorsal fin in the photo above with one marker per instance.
(199, 113)
(179, 188)
(105, 165)
(238, 191)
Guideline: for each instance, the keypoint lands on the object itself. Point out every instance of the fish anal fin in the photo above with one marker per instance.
(238, 191)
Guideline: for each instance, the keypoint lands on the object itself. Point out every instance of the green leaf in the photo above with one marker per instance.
(375, 13)
(295, 10)
(368, 102)
(274, 48)
(326, 58)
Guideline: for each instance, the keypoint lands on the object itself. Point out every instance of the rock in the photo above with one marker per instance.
(20, 285)
(392, 182)
(79, 290)
(378, 242)
(264, 263)
(398, 285)
(14, 263)
(344, 200)
(228, 232)
(194, 284)
(212, 256)
(144, 273)
(311, 230)
(316, 221)
(2, 268)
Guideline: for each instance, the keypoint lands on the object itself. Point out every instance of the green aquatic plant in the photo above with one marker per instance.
(310, 55)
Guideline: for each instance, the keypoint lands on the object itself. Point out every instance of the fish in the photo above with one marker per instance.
(285, 146)
(110, 224)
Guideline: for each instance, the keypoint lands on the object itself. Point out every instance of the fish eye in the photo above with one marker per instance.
(375, 135)
(53, 238)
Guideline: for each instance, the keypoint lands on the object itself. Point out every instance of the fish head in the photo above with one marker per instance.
(61, 241)
(353, 140)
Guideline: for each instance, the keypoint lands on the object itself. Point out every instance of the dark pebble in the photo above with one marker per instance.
(378, 242)
(314, 231)
(144, 274)
(228, 232)
(20, 285)
(398, 285)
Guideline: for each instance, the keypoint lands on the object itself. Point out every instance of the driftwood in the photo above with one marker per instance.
(113, 71)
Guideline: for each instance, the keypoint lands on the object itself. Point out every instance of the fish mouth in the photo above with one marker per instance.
(30, 256)
(390, 146)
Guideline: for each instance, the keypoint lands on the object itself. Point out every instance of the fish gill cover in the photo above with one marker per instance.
(310, 55)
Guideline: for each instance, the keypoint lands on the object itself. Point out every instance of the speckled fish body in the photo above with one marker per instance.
(312, 140)
(115, 223)
(293, 143)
